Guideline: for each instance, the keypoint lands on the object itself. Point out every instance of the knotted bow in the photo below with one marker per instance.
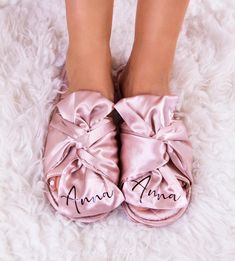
(74, 151)
(151, 153)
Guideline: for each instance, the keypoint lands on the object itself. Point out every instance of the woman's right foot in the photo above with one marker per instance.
(80, 157)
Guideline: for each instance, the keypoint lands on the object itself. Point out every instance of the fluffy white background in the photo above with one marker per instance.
(33, 44)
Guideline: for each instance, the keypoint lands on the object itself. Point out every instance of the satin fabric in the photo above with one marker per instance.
(156, 159)
(81, 149)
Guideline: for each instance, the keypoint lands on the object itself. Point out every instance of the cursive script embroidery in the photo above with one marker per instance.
(143, 183)
(85, 200)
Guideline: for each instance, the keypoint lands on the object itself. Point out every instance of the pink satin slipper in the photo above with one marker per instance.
(80, 162)
(156, 159)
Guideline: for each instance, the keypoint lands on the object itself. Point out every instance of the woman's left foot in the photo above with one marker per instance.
(156, 158)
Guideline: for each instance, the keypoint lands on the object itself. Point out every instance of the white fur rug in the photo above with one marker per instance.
(33, 44)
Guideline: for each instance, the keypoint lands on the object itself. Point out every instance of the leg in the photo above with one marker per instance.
(158, 25)
(88, 62)
(160, 196)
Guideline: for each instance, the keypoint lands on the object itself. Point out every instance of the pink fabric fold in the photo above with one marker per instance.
(156, 158)
(81, 149)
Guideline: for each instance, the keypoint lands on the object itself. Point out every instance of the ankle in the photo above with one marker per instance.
(144, 78)
(89, 68)
(149, 67)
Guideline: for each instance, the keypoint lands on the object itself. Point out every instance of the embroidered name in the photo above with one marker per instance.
(72, 196)
(143, 184)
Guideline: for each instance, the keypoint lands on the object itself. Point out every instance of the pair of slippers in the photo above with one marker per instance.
(81, 163)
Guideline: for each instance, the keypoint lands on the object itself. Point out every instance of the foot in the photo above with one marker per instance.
(156, 158)
(80, 158)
